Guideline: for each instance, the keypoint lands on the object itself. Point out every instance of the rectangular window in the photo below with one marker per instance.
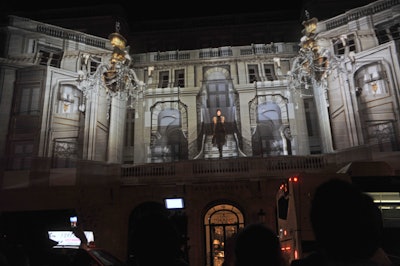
(395, 31)
(163, 79)
(94, 63)
(44, 57)
(29, 101)
(49, 56)
(269, 72)
(253, 73)
(352, 45)
(21, 155)
(388, 33)
(218, 95)
(179, 78)
(341, 48)
(89, 63)
(382, 36)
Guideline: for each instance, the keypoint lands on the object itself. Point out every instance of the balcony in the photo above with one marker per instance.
(94, 173)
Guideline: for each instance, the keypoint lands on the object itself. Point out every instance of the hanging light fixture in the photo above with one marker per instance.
(314, 62)
(116, 77)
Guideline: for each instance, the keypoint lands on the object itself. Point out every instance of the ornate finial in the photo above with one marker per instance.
(117, 26)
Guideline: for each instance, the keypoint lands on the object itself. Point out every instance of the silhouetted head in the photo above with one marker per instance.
(257, 245)
(346, 222)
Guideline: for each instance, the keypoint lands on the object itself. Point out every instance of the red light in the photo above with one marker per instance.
(295, 179)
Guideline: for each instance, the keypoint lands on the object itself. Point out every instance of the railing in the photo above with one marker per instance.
(217, 52)
(171, 56)
(200, 154)
(357, 13)
(238, 140)
(259, 49)
(59, 32)
(226, 168)
(188, 171)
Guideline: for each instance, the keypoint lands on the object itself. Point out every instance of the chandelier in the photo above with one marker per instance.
(116, 77)
(314, 62)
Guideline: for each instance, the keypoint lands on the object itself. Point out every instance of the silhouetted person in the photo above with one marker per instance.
(229, 254)
(257, 245)
(347, 225)
(157, 242)
(219, 134)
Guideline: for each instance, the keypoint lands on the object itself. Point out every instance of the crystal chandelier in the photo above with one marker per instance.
(314, 62)
(116, 77)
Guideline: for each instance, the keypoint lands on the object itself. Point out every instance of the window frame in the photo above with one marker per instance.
(271, 75)
(253, 73)
(49, 56)
(163, 80)
(179, 78)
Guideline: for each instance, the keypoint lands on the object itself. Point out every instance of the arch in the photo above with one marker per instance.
(268, 118)
(169, 131)
(215, 73)
(267, 135)
(142, 210)
(218, 92)
(222, 221)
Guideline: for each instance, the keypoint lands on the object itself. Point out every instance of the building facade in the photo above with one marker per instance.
(102, 133)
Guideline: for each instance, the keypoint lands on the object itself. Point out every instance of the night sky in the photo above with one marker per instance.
(170, 10)
(157, 10)
(151, 17)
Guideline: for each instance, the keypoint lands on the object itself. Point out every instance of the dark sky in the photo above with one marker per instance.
(158, 10)
(171, 9)
(146, 16)
(138, 12)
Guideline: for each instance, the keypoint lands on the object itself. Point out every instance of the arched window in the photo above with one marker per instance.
(221, 222)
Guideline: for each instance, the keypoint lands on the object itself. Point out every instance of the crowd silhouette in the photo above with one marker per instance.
(348, 227)
(257, 245)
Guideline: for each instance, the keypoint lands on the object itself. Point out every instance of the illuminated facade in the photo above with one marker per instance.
(71, 134)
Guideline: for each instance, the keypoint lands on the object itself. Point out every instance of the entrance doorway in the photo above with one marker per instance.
(222, 222)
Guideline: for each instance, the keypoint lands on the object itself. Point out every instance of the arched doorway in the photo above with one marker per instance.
(152, 224)
(222, 222)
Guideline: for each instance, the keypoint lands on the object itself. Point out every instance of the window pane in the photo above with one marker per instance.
(35, 100)
(24, 101)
